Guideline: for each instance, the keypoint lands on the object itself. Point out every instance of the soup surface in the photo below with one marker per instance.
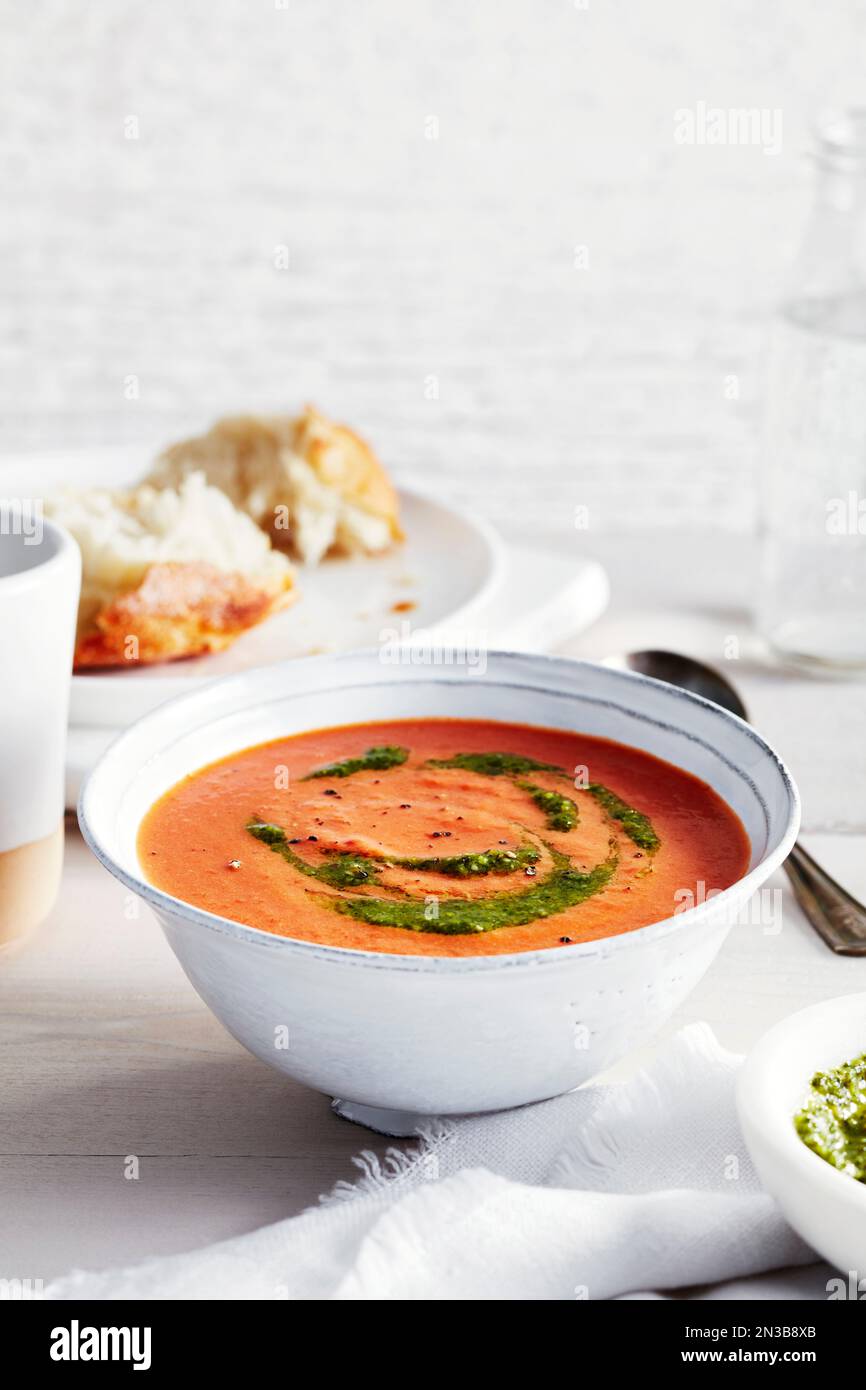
(442, 837)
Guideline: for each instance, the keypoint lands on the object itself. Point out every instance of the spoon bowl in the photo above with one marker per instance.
(838, 918)
(688, 674)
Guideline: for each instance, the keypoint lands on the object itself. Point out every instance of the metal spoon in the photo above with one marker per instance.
(835, 915)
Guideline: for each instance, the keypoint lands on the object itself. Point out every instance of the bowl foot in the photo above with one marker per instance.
(398, 1124)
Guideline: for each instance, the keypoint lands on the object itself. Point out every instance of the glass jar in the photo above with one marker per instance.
(811, 606)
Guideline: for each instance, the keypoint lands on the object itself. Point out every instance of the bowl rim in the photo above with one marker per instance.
(543, 958)
(780, 1137)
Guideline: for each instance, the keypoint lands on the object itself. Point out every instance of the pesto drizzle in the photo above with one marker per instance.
(494, 764)
(635, 824)
(341, 871)
(564, 887)
(346, 870)
(561, 811)
(489, 861)
(375, 759)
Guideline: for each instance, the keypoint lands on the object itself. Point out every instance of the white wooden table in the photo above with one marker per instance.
(106, 1052)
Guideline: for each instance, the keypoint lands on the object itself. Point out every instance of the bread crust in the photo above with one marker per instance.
(178, 610)
(250, 457)
(343, 460)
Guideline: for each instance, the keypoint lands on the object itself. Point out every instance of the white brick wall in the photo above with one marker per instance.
(410, 258)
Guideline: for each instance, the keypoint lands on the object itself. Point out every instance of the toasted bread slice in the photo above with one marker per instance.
(168, 573)
(315, 487)
(177, 610)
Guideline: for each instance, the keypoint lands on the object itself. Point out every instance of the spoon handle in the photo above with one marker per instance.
(834, 914)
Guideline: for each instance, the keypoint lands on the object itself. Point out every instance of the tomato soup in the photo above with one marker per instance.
(442, 837)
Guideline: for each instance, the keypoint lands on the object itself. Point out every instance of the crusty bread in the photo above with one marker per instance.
(177, 610)
(168, 573)
(313, 486)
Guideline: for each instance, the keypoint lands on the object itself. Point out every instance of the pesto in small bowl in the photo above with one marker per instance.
(832, 1119)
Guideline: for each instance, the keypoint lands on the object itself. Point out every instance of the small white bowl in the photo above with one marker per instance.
(426, 1034)
(826, 1207)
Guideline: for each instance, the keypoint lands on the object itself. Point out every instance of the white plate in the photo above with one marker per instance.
(450, 566)
(543, 600)
(467, 588)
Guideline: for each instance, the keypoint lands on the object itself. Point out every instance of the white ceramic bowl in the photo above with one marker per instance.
(426, 1034)
(826, 1207)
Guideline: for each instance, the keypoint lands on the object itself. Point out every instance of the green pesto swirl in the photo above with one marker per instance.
(561, 887)
(347, 870)
(635, 824)
(494, 764)
(561, 812)
(374, 760)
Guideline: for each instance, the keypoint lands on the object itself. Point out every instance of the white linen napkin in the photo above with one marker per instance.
(607, 1192)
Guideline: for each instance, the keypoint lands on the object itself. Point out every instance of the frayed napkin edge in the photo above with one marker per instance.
(629, 1107)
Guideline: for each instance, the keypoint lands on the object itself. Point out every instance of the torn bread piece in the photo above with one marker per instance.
(315, 487)
(168, 573)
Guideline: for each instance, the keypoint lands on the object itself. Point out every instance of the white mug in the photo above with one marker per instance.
(40, 577)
